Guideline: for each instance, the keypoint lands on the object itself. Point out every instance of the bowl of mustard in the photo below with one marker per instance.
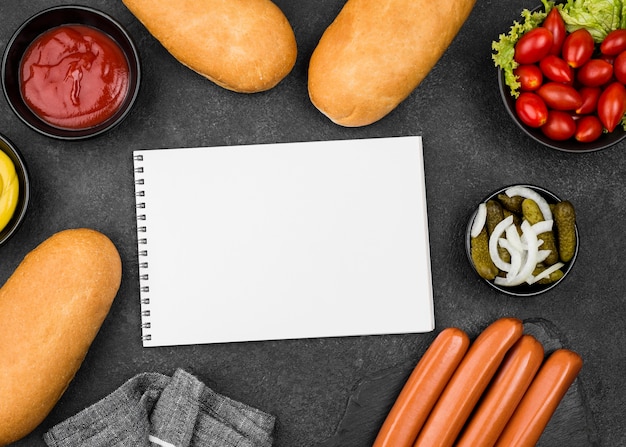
(14, 189)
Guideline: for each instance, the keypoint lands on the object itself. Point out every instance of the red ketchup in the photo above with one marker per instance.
(74, 77)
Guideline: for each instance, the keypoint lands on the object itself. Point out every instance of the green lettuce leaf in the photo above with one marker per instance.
(504, 48)
(599, 17)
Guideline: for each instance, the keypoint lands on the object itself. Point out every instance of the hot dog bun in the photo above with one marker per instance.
(375, 54)
(51, 309)
(242, 45)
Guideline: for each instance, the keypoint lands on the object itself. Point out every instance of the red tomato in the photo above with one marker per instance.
(559, 126)
(595, 73)
(612, 105)
(590, 97)
(529, 76)
(555, 24)
(560, 96)
(619, 67)
(614, 43)
(533, 46)
(578, 47)
(588, 129)
(606, 58)
(531, 109)
(556, 69)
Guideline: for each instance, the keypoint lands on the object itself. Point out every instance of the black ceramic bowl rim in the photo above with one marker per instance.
(50, 18)
(605, 141)
(523, 290)
(14, 154)
(571, 145)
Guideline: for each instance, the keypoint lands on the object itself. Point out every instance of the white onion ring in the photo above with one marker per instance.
(493, 244)
(542, 255)
(525, 248)
(528, 193)
(516, 257)
(514, 239)
(530, 262)
(543, 226)
(479, 220)
(547, 272)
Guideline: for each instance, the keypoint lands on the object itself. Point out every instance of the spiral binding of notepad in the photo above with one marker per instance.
(142, 249)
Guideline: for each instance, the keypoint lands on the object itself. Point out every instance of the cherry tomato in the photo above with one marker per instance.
(606, 58)
(533, 46)
(590, 97)
(559, 126)
(578, 47)
(531, 109)
(595, 73)
(588, 129)
(555, 24)
(612, 105)
(619, 67)
(614, 43)
(529, 76)
(556, 69)
(560, 96)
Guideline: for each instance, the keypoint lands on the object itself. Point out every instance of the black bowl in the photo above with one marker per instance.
(523, 290)
(571, 145)
(44, 21)
(24, 189)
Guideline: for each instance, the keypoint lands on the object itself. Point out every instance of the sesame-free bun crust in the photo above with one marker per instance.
(51, 309)
(246, 46)
(375, 53)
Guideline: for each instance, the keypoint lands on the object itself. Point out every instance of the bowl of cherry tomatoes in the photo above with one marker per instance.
(571, 94)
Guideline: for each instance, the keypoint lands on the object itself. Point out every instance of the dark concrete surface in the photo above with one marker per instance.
(471, 147)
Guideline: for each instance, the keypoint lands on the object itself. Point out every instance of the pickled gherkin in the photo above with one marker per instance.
(513, 204)
(532, 213)
(565, 220)
(553, 277)
(480, 256)
(495, 215)
(521, 238)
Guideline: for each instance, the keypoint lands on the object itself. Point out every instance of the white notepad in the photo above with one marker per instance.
(283, 241)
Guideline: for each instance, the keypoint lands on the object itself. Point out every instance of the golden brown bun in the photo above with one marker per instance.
(51, 309)
(242, 45)
(375, 53)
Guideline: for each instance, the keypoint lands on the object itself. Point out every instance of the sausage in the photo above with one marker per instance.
(422, 389)
(504, 393)
(541, 400)
(468, 383)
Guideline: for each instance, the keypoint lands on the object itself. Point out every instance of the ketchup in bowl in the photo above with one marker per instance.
(74, 77)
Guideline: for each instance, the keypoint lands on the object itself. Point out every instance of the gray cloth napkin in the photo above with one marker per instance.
(152, 409)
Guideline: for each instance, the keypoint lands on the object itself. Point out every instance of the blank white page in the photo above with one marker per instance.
(283, 241)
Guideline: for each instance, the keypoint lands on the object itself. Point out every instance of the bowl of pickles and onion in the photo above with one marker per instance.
(522, 240)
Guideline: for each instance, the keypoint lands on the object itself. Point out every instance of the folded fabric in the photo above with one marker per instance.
(152, 409)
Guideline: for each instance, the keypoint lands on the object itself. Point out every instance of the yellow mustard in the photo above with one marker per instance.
(9, 189)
